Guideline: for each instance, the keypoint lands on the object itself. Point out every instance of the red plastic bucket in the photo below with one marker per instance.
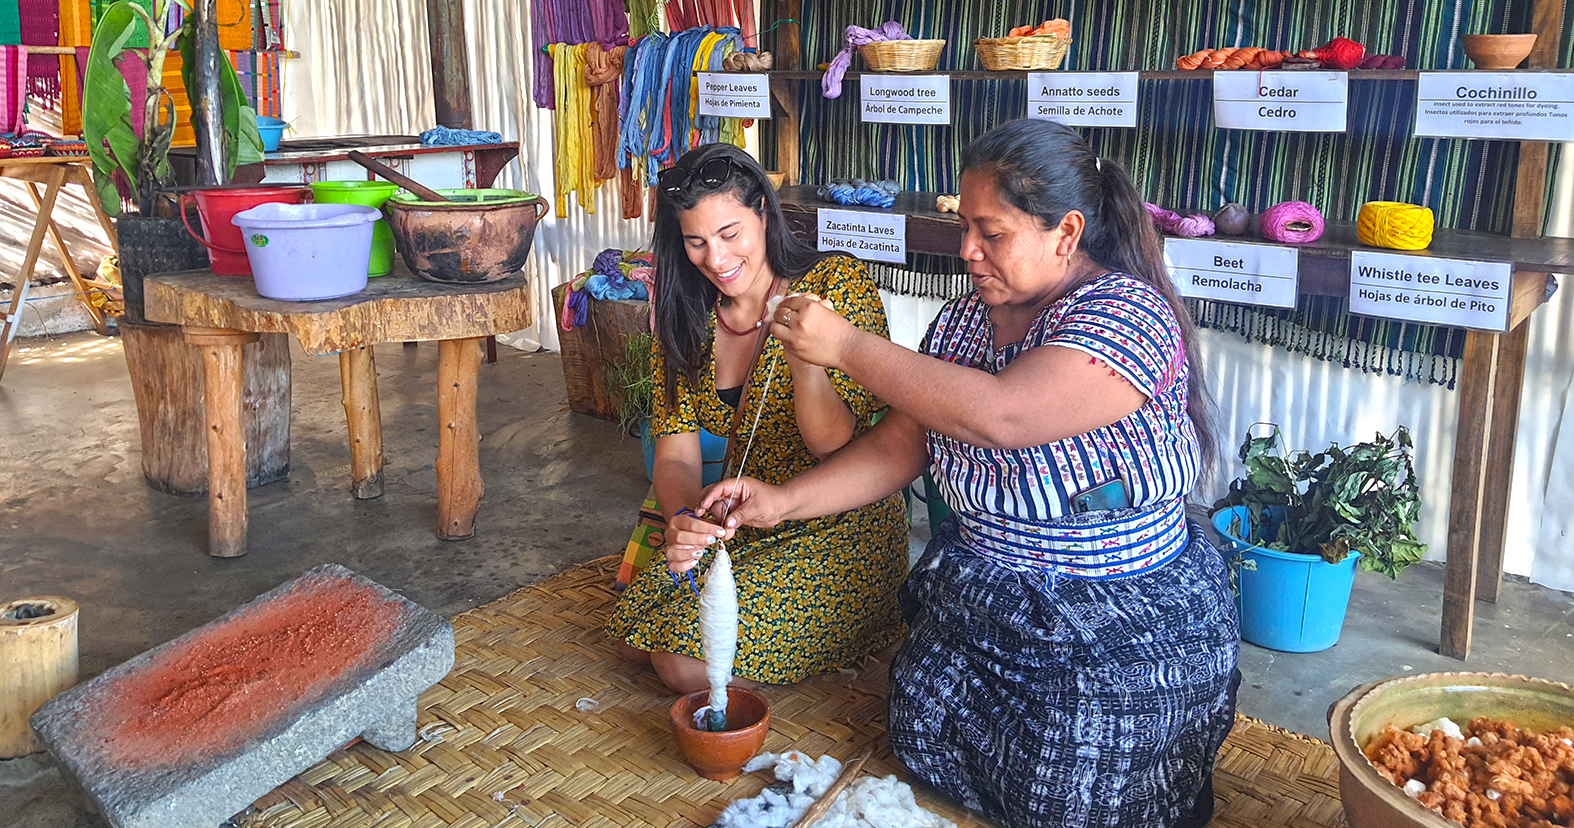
(226, 248)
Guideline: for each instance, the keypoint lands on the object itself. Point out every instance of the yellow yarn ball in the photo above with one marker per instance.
(1394, 225)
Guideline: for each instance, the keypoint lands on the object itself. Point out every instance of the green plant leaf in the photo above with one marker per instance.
(106, 102)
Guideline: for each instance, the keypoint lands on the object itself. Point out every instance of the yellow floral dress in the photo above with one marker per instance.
(813, 596)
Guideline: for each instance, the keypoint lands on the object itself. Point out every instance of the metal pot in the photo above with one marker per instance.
(477, 236)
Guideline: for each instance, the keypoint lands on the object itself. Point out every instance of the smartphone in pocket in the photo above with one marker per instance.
(1102, 498)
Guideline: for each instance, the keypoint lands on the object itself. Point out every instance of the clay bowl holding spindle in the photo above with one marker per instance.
(721, 756)
(1498, 51)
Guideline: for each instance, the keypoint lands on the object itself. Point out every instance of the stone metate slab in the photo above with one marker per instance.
(193, 731)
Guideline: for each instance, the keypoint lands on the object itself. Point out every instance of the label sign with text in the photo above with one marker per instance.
(735, 96)
(905, 99)
(1094, 99)
(1281, 101)
(1246, 274)
(879, 237)
(1450, 292)
(1530, 106)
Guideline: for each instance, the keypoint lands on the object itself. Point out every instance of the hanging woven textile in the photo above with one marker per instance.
(72, 71)
(175, 85)
(10, 23)
(235, 28)
(575, 144)
(40, 21)
(13, 87)
(76, 23)
(603, 71)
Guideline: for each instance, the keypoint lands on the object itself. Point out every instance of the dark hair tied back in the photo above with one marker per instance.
(684, 296)
(1047, 170)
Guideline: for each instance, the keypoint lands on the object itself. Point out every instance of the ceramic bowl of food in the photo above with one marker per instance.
(1355, 721)
(1498, 51)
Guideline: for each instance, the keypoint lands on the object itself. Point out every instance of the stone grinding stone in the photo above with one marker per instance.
(375, 699)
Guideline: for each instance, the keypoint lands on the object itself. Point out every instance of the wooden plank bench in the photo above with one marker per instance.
(193, 731)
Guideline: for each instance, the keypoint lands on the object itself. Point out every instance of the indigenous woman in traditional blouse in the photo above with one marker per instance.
(813, 595)
(1072, 641)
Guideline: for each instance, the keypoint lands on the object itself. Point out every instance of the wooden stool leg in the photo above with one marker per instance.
(221, 367)
(459, 486)
(35, 245)
(358, 376)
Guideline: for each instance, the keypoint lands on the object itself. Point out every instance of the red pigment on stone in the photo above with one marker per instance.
(213, 692)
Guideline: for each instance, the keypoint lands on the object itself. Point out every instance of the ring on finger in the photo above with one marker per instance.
(786, 317)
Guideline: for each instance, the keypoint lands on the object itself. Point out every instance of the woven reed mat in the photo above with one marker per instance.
(505, 746)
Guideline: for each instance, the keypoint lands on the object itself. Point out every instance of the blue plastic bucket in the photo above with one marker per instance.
(1291, 602)
(271, 130)
(713, 450)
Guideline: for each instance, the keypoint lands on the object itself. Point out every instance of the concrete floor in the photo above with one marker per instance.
(77, 520)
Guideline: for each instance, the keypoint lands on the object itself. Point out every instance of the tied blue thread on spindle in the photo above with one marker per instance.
(692, 585)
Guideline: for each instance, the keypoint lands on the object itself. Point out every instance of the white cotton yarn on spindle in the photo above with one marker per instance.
(718, 618)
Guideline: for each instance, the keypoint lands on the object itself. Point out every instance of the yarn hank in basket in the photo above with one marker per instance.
(1292, 222)
(1395, 225)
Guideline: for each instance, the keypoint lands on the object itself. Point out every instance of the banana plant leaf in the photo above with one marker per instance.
(106, 113)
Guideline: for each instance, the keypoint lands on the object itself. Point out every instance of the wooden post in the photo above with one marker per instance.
(1468, 497)
(787, 54)
(38, 649)
(358, 376)
(445, 29)
(459, 486)
(221, 363)
(1530, 193)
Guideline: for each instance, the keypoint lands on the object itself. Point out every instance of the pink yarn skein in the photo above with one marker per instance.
(1168, 221)
(1293, 222)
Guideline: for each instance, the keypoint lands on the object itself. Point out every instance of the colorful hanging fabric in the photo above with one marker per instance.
(259, 78)
(10, 23)
(76, 23)
(572, 22)
(235, 28)
(575, 145)
(13, 87)
(40, 21)
(603, 71)
(72, 71)
(175, 85)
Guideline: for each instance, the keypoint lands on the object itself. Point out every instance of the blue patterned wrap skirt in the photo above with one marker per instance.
(1041, 699)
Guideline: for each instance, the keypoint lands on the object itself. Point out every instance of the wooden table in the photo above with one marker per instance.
(53, 173)
(219, 314)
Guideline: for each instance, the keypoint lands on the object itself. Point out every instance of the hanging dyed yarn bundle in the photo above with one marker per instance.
(689, 14)
(859, 191)
(855, 36)
(1172, 223)
(659, 103)
(603, 71)
(572, 22)
(1293, 222)
(575, 144)
(1394, 225)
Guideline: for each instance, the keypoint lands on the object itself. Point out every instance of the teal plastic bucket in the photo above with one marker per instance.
(271, 131)
(713, 451)
(366, 194)
(1290, 602)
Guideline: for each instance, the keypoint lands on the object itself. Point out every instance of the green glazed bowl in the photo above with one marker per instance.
(1371, 801)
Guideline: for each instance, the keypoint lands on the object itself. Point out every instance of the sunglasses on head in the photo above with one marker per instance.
(710, 175)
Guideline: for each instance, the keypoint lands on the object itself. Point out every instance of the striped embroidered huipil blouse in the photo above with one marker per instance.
(1014, 505)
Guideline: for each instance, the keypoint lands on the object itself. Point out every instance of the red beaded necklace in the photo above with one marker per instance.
(763, 311)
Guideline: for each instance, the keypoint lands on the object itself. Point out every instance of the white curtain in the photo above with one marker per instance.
(365, 68)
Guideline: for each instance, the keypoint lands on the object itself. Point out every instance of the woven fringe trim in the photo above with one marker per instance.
(1418, 353)
(904, 282)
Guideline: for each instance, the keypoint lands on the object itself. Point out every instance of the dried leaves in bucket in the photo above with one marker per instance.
(1361, 498)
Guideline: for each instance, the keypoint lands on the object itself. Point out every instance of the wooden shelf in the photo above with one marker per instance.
(1325, 263)
(1160, 74)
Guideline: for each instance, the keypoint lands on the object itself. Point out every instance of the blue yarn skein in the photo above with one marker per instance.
(858, 191)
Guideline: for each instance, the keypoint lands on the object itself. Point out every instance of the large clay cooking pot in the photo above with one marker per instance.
(480, 236)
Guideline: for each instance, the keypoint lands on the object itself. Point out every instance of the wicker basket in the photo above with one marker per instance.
(902, 55)
(1000, 54)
